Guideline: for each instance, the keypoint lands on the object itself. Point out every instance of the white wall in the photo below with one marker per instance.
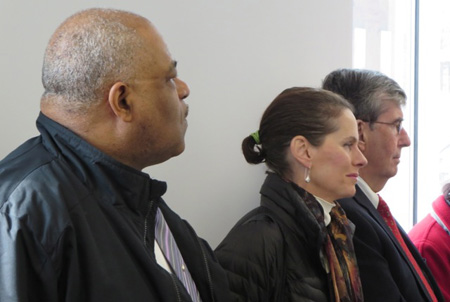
(236, 56)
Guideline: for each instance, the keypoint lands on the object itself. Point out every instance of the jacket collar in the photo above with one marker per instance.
(108, 179)
(285, 199)
(363, 201)
(371, 195)
(441, 208)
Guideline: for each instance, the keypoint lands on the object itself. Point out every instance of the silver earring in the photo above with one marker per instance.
(307, 177)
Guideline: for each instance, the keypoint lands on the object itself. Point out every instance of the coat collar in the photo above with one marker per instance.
(108, 179)
(363, 201)
(286, 200)
(441, 208)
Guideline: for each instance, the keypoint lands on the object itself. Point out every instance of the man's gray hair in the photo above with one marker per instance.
(367, 90)
(87, 54)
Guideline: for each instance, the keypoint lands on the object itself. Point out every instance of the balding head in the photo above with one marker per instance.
(109, 78)
(87, 54)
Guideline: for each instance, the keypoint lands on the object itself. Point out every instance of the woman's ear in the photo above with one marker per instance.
(301, 150)
(119, 101)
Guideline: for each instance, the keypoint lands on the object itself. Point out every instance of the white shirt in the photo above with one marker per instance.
(371, 195)
(327, 207)
(160, 259)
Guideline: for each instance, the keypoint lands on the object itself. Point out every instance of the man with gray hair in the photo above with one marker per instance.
(390, 266)
(79, 220)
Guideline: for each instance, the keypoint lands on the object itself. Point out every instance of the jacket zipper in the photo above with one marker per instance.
(146, 222)
(146, 245)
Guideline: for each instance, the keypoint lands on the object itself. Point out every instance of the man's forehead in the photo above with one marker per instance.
(390, 107)
(156, 50)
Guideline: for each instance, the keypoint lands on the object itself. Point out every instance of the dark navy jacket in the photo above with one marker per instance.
(386, 273)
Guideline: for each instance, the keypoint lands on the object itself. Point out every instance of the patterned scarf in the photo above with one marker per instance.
(343, 275)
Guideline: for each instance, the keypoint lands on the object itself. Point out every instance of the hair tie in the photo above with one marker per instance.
(255, 136)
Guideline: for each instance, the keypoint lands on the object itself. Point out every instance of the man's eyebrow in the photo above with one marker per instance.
(173, 66)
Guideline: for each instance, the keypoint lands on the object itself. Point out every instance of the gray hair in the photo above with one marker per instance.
(366, 90)
(88, 53)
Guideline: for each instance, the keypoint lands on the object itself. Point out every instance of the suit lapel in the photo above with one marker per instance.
(363, 201)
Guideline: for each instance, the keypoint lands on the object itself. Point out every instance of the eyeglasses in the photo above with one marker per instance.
(397, 125)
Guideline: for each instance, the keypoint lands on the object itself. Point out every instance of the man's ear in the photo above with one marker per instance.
(119, 102)
(301, 150)
(362, 134)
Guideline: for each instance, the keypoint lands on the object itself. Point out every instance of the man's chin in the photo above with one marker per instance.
(393, 172)
(180, 149)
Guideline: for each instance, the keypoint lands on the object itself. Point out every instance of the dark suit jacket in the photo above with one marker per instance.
(386, 273)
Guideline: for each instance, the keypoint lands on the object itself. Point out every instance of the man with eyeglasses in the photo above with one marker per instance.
(390, 266)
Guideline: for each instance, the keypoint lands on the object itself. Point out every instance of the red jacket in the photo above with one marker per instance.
(433, 242)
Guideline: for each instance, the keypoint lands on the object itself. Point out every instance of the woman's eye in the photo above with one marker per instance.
(349, 145)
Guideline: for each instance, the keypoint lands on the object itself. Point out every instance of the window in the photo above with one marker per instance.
(433, 102)
(383, 40)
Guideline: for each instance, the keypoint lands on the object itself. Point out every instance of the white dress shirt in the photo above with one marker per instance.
(371, 195)
(326, 206)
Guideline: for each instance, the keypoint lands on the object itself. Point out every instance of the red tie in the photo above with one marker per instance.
(384, 211)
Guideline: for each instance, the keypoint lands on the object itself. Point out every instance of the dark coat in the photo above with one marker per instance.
(273, 253)
(78, 226)
(385, 271)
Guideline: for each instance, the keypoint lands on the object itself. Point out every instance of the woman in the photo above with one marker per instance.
(297, 245)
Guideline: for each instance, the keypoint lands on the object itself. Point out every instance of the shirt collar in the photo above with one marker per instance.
(326, 206)
(371, 195)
